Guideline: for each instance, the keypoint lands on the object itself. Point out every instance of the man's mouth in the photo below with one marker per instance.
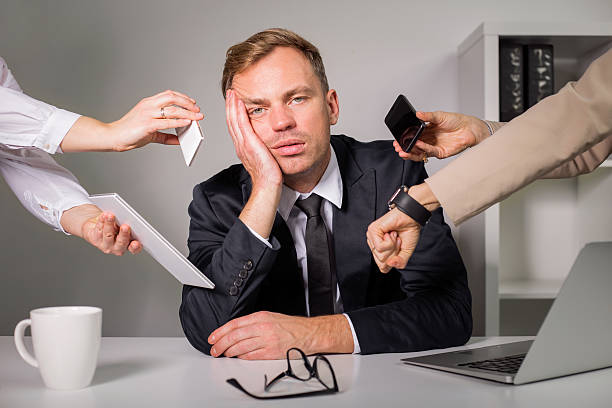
(289, 147)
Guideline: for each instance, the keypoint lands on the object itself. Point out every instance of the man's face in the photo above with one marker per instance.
(289, 111)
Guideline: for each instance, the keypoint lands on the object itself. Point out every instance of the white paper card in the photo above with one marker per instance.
(190, 137)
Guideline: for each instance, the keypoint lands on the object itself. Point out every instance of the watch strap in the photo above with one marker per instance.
(411, 207)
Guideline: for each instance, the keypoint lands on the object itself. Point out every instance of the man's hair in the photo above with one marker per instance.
(242, 55)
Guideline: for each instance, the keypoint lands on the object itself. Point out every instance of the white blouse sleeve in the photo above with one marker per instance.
(45, 188)
(27, 122)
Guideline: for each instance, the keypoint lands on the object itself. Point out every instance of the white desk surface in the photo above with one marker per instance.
(168, 372)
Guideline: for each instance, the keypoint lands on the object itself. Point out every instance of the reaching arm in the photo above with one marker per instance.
(137, 128)
(564, 135)
(549, 134)
(447, 134)
(29, 129)
(27, 122)
(43, 187)
(54, 196)
(584, 162)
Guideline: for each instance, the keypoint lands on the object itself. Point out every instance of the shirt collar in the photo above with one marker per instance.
(329, 187)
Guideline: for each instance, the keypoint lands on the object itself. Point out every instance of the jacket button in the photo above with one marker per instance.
(243, 273)
(248, 265)
(233, 291)
(238, 282)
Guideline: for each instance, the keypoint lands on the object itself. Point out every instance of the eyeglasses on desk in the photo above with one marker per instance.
(299, 368)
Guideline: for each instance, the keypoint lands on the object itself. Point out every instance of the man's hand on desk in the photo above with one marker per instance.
(268, 336)
(99, 229)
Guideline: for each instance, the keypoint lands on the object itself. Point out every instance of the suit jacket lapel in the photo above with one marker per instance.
(350, 223)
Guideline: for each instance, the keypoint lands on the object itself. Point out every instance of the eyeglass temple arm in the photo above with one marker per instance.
(234, 382)
(267, 384)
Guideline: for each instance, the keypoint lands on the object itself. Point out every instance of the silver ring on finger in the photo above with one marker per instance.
(163, 114)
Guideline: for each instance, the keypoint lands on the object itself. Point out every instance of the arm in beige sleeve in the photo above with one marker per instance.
(547, 136)
(582, 163)
(585, 162)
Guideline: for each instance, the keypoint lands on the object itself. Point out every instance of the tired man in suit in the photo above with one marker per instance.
(283, 234)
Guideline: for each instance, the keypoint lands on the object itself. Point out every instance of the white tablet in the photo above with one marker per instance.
(152, 241)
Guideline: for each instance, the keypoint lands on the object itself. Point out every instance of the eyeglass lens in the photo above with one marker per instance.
(324, 372)
(298, 364)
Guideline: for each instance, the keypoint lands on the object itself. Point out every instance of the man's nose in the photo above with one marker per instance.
(281, 119)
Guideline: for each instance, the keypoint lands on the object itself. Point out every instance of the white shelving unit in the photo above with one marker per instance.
(524, 247)
(529, 288)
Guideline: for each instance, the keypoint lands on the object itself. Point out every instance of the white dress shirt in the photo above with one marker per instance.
(330, 189)
(29, 130)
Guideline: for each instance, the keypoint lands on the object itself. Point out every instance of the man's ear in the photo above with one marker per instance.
(333, 108)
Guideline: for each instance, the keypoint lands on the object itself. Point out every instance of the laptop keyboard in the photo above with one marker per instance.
(508, 365)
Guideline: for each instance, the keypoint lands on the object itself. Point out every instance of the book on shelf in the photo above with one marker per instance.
(539, 68)
(511, 83)
(525, 77)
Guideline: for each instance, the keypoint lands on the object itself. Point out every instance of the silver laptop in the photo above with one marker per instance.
(576, 335)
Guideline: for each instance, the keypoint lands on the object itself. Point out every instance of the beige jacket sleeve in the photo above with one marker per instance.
(564, 135)
(583, 163)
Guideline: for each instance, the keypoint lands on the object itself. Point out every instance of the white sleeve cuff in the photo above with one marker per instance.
(259, 237)
(54, 130)
(356, 348)
(65, 206)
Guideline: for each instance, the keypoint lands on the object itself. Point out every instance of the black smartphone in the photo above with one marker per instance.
(403, 123)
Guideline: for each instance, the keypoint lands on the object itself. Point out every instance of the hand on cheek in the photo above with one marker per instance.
(251, 150)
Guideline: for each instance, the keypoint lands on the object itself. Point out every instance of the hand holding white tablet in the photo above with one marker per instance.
(152, 241)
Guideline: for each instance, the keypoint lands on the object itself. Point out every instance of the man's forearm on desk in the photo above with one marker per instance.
(266, 335)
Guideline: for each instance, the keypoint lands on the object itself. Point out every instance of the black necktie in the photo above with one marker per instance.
(320, 294)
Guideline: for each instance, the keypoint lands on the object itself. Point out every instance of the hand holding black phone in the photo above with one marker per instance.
(404, 124)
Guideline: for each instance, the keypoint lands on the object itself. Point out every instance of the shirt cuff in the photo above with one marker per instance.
(65, 206)
(486, 122)
(356, 348)
(259, 237)
(54, 130)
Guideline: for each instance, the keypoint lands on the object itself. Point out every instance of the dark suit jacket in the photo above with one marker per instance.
(426, 305)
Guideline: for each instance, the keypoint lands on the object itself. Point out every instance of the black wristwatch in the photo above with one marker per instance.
(409, 206)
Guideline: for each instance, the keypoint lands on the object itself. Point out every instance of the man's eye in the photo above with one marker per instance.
(298, 99)
(256, 111)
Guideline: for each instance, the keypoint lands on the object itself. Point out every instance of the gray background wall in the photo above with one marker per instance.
(100, 58)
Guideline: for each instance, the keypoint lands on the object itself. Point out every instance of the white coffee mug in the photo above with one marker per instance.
(66, 342)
